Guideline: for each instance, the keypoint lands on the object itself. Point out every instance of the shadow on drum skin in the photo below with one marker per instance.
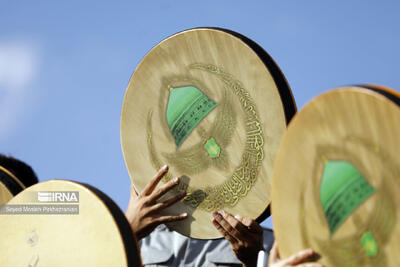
(182, 227)
(180, 207)
(193, 199)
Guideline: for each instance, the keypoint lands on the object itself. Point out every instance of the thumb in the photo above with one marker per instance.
(274, 254)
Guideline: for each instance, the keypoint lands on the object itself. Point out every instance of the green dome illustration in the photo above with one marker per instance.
(343, 189)
(187, 106)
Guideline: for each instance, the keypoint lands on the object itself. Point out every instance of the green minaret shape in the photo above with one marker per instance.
(187, 106)
(343, 189)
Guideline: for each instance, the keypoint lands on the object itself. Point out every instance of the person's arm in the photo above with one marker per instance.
(143, 212)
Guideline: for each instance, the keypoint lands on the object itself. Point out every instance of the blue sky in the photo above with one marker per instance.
(64, 67)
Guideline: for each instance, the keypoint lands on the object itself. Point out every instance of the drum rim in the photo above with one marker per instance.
(125, 230)
(9, 182)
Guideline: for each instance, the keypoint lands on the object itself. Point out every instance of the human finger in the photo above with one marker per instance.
(251, 224)
(169, 202)
(222, 230)
(134, 194)
(155, 180)
(239, 228)
(164, 189)
(299, 257)
(171, 218)
(230, 224)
